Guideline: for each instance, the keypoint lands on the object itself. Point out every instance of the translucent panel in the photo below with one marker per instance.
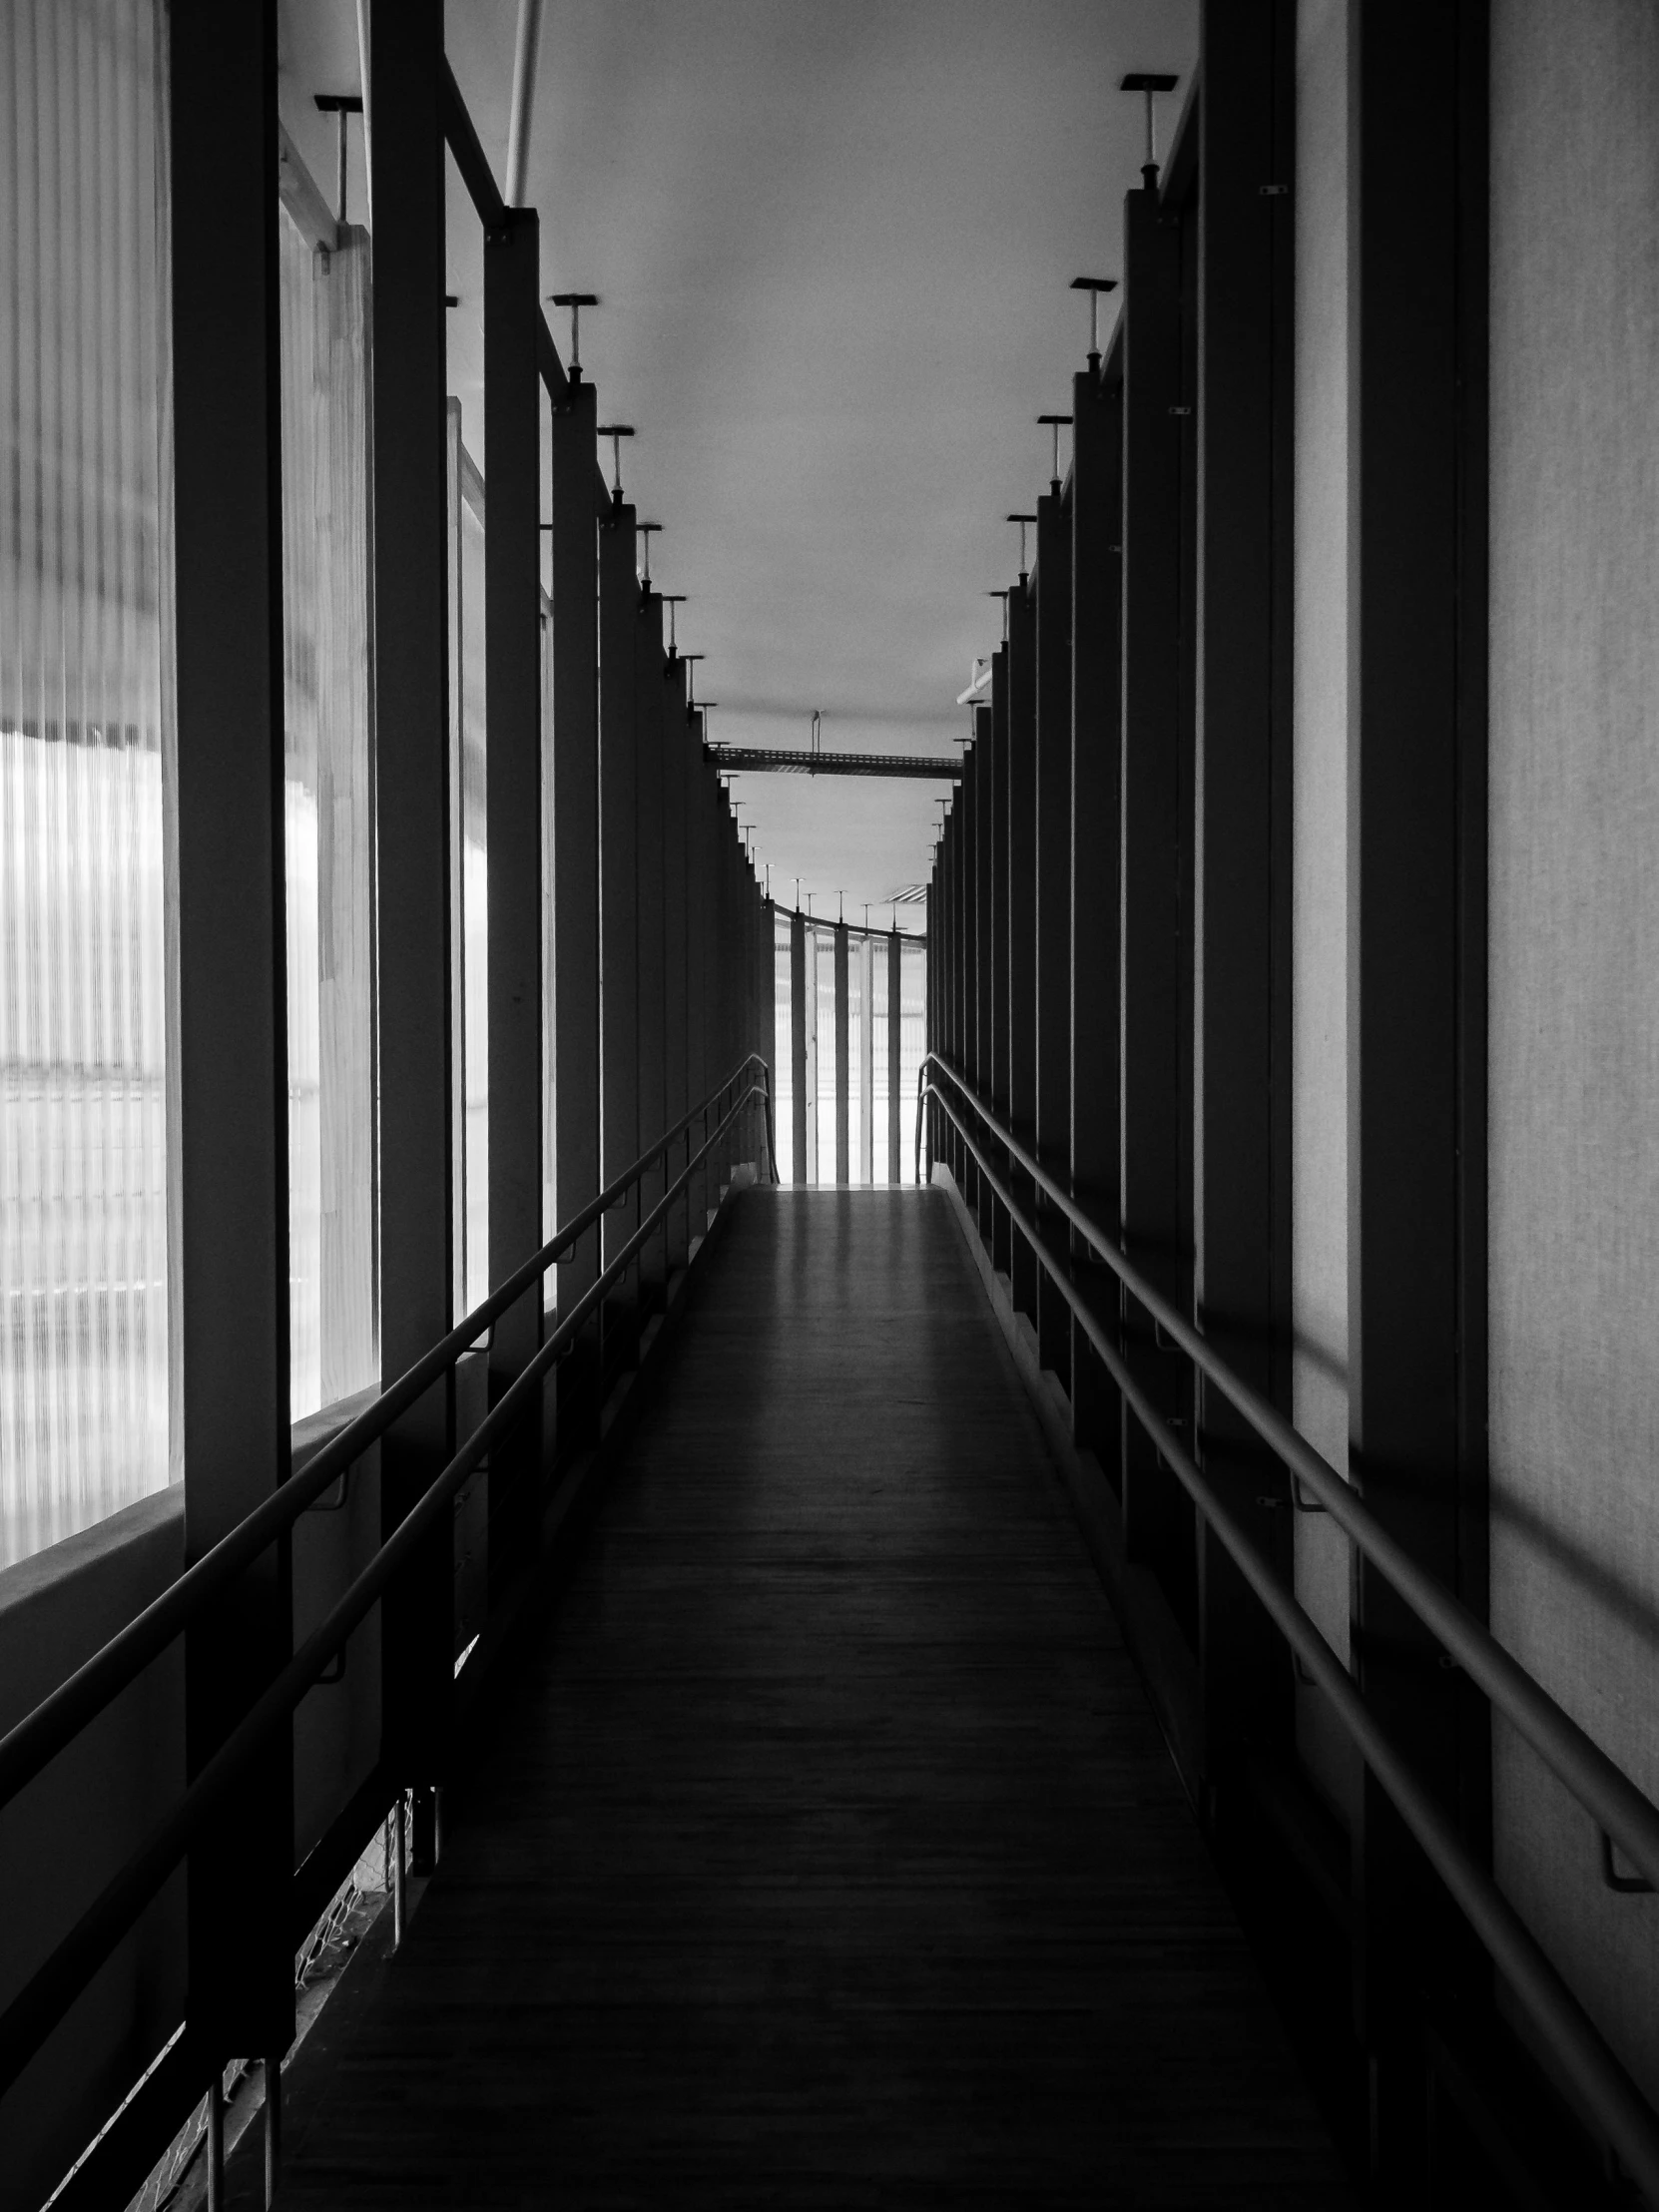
(83, 555)
(913, 1043)
(324, 311)
(469, 882)
(879, 1073)
(855, 1058)
(822, 956)
(783, 1055)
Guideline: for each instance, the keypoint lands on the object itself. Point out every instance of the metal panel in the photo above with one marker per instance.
(1053, 898)
(1156, 841)
(1001, 1232)
(673, 737)
(575, 742)
(1022, 917)
(1242, 917)
(1096, 863)
(618, 869)
(647, 793)
(226, 1060)
(1416, 970)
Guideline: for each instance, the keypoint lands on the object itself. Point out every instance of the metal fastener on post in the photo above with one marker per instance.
(1151, 85)
(340, 105)
(575, 301)
(615, 432)
(1055, 422)
(1094, 287)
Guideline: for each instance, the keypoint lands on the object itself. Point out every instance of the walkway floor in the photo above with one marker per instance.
(833, 1857)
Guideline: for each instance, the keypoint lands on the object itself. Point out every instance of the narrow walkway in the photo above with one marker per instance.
(833, 1856)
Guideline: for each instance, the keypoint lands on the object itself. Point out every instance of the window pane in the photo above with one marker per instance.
(83, 1127)
(325, 308)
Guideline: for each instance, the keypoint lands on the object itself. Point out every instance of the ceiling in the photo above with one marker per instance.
(833, 244)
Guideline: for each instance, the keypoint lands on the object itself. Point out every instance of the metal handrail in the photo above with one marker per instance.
(58, 1718)
(1571, 1755)
(1578, 2044)
(44, 1999)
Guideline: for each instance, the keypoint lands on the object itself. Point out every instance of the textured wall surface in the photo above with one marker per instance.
(1574, 916)
(1324, 582)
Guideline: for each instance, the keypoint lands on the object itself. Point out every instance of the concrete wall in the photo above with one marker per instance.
(1574, 921)
(1325, 633)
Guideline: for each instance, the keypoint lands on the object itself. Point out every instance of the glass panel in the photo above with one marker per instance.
(783, 1055)
(83, 553)
(823, 943)
(881, 1074)
(913, 1043)
(469, 883)
(855, 1056)
(324, 310)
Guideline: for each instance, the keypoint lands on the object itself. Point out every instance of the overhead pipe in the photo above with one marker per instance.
(524, 93)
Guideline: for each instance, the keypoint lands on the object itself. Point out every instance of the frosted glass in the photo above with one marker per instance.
(913, 1043)
(469, 870)
(83, 1127)
(881, 1074)
(783, 1054)
(325, 321)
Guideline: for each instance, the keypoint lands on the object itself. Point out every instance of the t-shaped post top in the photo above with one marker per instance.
(576, 301)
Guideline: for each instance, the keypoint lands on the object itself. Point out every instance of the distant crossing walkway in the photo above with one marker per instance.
(830, 1856)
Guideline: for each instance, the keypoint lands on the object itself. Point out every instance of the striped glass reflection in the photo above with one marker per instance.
(327, 807)
(83, 556)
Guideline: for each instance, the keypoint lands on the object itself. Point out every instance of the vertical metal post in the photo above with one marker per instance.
(766, 976)
(574, 993)
(898, 1097)
(1155, 946)
(1096, 863)
(1242, 790)
(1001, 1028)
(673, 741)
(983, 756)
(414, 1035)
(698, 891)
(1053, 842)
(798, 1045)
(619, 916)
(1022, 920)
(513, 688)
(648, 793)
(842, 1056)
(1417, 1034)
(227, 1012)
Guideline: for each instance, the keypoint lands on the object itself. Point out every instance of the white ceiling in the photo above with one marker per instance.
(833, 244)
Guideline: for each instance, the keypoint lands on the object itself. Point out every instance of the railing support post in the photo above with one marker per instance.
(414, 1039)
(575, 776)
(514, 799)
(227, 1043)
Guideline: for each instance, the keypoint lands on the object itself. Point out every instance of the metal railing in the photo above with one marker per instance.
(1620, 1811)
(44, 1999)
